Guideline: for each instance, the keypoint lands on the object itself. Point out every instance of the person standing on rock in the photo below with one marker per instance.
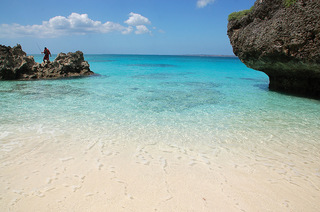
(46, 53)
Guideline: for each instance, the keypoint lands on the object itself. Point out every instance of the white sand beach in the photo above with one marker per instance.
(154, 170)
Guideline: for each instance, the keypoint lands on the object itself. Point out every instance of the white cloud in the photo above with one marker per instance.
(139, 22)
(137, 19)
(128, 30)
(74, 24)
(59, 22)
(204, 3)
(142, 29)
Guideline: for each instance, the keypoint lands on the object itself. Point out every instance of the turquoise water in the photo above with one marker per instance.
(210, 96)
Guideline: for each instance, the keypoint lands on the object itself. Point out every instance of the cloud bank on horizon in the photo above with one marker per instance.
(76, 24)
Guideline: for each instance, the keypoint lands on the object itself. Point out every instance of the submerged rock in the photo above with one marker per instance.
(283, 41)
(16, 65)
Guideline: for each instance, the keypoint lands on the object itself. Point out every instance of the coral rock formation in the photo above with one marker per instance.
(283, 42)
(16, 65)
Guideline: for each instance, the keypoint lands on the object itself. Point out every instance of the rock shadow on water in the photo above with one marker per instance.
(100, 76)
(75, 77)
(254, 79)
(264, 87)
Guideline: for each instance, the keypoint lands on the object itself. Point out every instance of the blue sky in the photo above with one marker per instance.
(119, 26)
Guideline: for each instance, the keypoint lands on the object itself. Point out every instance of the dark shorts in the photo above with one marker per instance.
(46, 57)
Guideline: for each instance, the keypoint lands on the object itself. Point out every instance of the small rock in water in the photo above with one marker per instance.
(15, 64)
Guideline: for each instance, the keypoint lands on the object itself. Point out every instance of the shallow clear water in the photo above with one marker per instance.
(205, 93)
(178, 99)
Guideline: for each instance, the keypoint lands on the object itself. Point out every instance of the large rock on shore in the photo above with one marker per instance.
(282, 41)
(16, 65)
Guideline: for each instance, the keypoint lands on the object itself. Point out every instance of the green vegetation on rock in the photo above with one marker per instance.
(288, 3)
(240, 14)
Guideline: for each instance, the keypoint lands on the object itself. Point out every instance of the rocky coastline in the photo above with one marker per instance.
(16, 65)
(283, 41)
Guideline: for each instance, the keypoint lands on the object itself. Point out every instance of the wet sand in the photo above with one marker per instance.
(42, 170)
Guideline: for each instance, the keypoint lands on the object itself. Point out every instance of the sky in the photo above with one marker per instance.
(160, 27)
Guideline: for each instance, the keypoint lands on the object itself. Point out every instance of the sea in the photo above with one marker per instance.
(195, 102)
(219, 95)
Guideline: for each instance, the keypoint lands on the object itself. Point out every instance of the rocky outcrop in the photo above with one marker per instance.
(283, 42)
(16, 65)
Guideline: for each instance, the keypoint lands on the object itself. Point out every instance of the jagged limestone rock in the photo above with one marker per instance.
(15, 65)
(283, 42)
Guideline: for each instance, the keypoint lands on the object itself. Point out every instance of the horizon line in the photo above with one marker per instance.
(191, 55)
